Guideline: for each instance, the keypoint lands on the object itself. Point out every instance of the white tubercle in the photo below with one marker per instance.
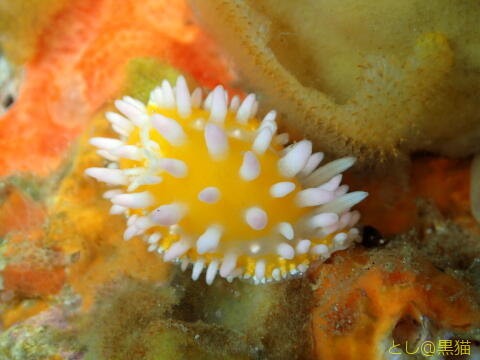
(137, 103)
(250, 168)
(303, 246)
(260, 269)
(154, 238)
(216, 140)
(262, 140)
(269, 121)
(132, 112)
(106, 143)
(211, 272)
(120, 121)
(167, 215)
(340, 238)
(281, 189)
(325, 219)
(341, 190)
(245, 110)
(207, 104)
(209, 240)
(321, 249)
(327, 171)
(110, 176)
(286, 229)
(209, 195)
(196, 98)
(174, 167)
(107, 155)
(134, 200)
(176, 249)
(184, 105)
(285, 251)
(130, 152)
(332, 184)
(117, 209)
(256, 218)
(355, 216)
(294, 161)
(344, 202)
(156, 97)
(170, 129)
(168, 95)
(218, 110)
(313, 161)
(234, 103)
(111, 193)
(313, 197)
(282, 139)
(197, 269)
(228, 265)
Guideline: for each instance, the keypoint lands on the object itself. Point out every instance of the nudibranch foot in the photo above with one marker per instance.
(206, 184)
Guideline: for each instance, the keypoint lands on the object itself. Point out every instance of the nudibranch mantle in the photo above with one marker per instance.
(204, 182)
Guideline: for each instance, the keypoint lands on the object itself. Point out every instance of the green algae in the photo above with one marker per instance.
(145, 73)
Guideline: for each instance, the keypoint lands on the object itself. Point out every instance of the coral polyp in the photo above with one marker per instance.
(204, 182)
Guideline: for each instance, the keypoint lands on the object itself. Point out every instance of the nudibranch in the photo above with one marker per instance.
(204, 182)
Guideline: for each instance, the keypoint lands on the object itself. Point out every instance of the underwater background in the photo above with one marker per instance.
(388, 88)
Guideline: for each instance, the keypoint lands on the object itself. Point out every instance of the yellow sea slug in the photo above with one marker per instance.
(204, 182)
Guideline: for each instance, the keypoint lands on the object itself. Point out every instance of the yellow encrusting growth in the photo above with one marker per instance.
(207, 183)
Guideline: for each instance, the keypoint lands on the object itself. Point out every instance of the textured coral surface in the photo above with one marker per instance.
(377, 79)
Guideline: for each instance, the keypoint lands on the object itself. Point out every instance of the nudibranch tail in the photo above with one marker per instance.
(204, 182)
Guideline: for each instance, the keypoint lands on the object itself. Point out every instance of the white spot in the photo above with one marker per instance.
(286, 229)
(216, 141)
(256, 218)
(255, 248)
(134, 200)
(167, 215)
(276, 274)
(281, 189)
(209, 240)
(218, 110)
(250, 168)
(314, 197)
(340, 239)
(174, 167)
(303, 246)
(209, 195)
(294, 161)
(170, 129)
(184, 106)
(110, 176)
(285, 251)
